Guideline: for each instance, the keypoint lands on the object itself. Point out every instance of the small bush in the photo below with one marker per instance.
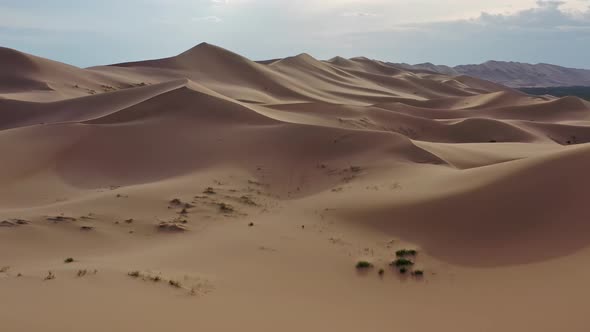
(174, 283)
(403, 270)
(209, 191)
(134, 274)
(50, 276)
(175, 201)
(251, 224)
(69, 260)
(402, 262)
(381, 272)
(226, 208)
(363, 265)
(418, 273)
(406, 252)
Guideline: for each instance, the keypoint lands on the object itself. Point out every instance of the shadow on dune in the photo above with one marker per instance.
(530, 213)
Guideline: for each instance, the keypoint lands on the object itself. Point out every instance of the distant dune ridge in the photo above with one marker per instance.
(513, 74)
(206, 190)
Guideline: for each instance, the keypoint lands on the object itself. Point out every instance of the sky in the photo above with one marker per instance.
(86, 33)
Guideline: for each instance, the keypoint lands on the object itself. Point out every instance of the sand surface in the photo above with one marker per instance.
(240, 195)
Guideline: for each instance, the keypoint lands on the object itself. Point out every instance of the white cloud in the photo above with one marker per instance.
(358, 14)
(212, 19)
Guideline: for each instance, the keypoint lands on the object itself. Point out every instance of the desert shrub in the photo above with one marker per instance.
(226, 208)
(69, 260)
(402, 262)
(406, 252)
(418, 273)
(363, 265)
(174, 283)
(209, 191)
(381, 272)
(134, 274)
(403, 270)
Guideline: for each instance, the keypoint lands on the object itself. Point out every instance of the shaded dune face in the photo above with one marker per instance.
(498, 178)
(507, 217)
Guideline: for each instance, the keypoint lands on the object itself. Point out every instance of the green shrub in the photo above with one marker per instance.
(402, 262)
(406, 252)
(418, 273)
(363, 265)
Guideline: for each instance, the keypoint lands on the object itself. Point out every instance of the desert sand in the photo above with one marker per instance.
(209, 192)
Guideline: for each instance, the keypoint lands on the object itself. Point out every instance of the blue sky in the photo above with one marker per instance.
(86, 33)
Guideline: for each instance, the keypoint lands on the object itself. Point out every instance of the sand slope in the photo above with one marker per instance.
(255, 187)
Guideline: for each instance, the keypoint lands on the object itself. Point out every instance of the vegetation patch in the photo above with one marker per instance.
(61, 219)
(560, 91)
(418, 273)
(134, 274)
(402, 262)
(362, 265)
(406, 252)
(50, 276)
(225, 208)
(175, 283)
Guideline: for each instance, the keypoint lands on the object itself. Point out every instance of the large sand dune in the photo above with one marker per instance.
(286, 173)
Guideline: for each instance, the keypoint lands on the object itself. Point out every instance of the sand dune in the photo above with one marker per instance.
(209, 191)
